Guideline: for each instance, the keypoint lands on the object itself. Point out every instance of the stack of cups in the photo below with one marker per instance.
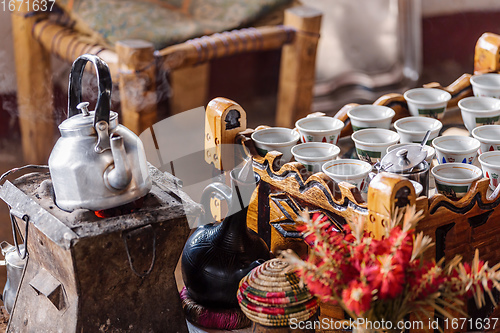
(481, 115)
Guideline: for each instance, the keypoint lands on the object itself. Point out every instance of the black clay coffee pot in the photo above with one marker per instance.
(218, 255)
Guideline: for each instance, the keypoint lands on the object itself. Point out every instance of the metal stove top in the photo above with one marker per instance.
(32, 195)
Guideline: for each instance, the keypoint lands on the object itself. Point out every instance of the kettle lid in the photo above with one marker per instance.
(84, 123)
(404, 158)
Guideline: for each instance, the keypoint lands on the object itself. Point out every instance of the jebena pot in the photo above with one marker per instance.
(218, 255)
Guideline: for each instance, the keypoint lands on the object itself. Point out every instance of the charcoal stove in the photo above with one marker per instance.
(91, 272)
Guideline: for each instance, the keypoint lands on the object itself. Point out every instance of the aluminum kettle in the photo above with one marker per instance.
(96, 164)
(15, 266)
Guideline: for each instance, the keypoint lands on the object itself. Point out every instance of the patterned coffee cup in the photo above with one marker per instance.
(427, 102)
(319, 129)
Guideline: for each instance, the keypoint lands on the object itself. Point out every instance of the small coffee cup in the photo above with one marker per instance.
(314, 154)
(455, 179)
(413, 129)
(370, 116)
(352, 171)
(490, 163)
(456, 148)
(276, 138)
(478, 111)
(427, 102)
(319, 129)
(486, 85)
(371, 143)
(488, 136)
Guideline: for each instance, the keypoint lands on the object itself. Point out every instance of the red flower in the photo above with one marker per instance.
(380, 247)
(476, 280)
(302, 227)
(455, 283)
(318, 217)
(319, 222)
(357, 297)
(401, 245)
(467, 267)
(426, 280)
(349, 272)
(387, 276)
(360, 255)
(318, 287)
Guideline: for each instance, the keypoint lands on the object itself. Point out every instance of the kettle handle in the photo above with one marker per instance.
(104, 83)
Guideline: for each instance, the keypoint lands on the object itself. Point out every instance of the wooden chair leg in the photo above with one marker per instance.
(137, 82)
(298, 62)
(189, 87)
(34, 89)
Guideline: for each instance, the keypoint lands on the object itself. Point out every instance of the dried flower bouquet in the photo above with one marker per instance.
(387, 279)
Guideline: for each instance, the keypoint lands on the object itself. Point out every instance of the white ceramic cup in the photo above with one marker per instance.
(456, 148)
(352, 171)
(488, 136)
(454, 179)
(370, 116)
(431, 152)
(490, 163)
(427, 102)
(276, 138)
(478, 111)
(314, 154)
(413, 129)
(486, 85)
(371, 143)
(319, 129)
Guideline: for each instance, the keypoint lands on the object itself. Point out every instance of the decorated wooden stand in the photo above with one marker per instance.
(456, 227)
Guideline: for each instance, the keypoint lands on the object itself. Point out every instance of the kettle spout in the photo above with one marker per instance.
(118, 175)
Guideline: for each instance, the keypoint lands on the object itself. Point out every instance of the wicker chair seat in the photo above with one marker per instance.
(163, 22)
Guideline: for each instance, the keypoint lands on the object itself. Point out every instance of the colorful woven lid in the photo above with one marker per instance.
(271, 295)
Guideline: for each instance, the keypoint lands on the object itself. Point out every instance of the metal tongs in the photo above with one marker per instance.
(379, 168)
